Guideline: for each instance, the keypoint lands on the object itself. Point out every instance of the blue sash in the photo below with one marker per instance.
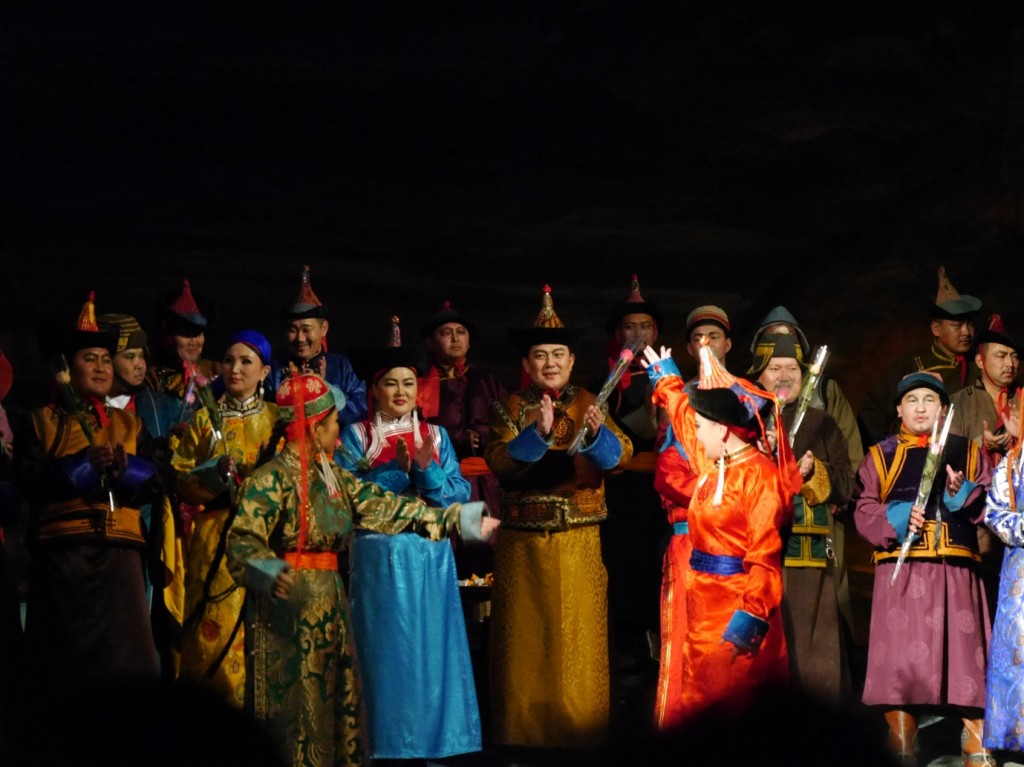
(715, 564)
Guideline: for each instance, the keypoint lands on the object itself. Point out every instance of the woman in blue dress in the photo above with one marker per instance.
(407, 618)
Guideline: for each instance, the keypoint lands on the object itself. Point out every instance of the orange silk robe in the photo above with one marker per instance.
(755, 505)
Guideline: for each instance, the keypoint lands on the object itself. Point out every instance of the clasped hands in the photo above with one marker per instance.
(104, 457)
(423, 456)
(593, 418)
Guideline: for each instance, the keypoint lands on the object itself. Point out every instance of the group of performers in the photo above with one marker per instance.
(289, 530)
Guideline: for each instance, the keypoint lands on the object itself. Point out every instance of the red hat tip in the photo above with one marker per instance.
(547, 288)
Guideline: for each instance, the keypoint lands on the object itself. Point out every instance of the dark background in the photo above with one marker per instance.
(827, 156)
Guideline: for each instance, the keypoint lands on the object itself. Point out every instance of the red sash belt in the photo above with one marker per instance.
(312, 560)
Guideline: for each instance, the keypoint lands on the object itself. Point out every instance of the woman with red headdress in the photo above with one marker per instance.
(741, 500)
(295, 513)
(406, 611)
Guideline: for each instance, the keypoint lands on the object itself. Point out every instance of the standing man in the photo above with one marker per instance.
(457, 395)
(811, 573)
(711, 323)
(549, 624)
(928, 643)
(633, 533)
(952, 329)
(980, 412)
(307, 327)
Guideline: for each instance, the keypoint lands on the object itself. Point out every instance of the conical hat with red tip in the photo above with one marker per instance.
(371, 364)
(996, 333)
(306, 304)
(83, 334)
(445, 315)
(187, 313)
(547, 328)
(634, 304)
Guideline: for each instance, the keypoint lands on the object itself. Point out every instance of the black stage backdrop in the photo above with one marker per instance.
(826, 156)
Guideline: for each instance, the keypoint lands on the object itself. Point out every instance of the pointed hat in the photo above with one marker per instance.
(949, 304)
(306, 304)
(547, 328)
(634, 304)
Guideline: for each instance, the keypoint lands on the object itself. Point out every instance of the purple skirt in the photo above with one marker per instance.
(929, 636)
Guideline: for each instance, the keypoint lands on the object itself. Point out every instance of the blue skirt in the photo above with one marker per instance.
(410, 636)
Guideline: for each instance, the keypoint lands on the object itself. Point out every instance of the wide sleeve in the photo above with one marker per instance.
(762, 594)
(510, 453)
(251, 561)
(970, 500)
(355, 393)
(670, 395)
(1005, 523)
(610, 447)
(441, 483)
(674, 478)
(870, 514)
(195, 463)
(374, 508)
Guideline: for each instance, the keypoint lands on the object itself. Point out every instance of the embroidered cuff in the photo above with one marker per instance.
(137, 471)
(818, 488)
(260, 574)
(662, 368)
(956, 502)
(605, 451)
(81, 472)
(745, 630)
(898, 514)
(470, 520)
(529, 446)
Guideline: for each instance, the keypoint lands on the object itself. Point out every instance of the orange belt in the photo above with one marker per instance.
(312, 560)
(474, 466)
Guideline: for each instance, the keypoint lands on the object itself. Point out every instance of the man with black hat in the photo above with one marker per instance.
(633, 534)
(79, 465)
(812, 570)
(184, 320)
(952, 329)
(307, 327)
(980, 412)
(928, 643)
(549, 619)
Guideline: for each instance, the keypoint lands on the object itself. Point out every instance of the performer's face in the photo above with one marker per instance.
(326, 431)
(549, 365)
(92, 372)
(719, 342)
(998, 364)
(711, 435)
(919, 409)
(782, 377)
(640, 326)
(306, 337)
(955, 336)
(449, 343)
(188, 348)
(130, 366)
(395, 392)
(243, 370)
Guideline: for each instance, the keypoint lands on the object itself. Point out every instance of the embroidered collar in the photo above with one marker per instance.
(242, 408)
(911, 439)
(390, 424)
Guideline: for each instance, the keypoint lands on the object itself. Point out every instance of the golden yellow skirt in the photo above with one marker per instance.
(549, 639)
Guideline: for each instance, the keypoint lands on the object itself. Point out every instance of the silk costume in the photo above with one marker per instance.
(746, 526)
(929, 631)
(213, 635)
(549, 671)
(407, 616)
(304, 677)
(333, 368)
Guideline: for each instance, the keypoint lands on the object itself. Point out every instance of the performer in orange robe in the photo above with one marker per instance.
(742, 497)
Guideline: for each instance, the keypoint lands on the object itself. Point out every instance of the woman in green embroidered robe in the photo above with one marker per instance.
(304, 684)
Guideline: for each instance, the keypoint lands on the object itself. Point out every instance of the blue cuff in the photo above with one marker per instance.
(430, 478)
(209, 476)
(137, 471)
(260, 574)
(898, 514)
(605, 451)
(662, 368)
(470, 519)
(84, 476)
(956, 502)
(745, 630)
(529, 446)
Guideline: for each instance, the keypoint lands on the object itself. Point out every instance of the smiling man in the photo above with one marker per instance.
(306, 329)
(549, 620)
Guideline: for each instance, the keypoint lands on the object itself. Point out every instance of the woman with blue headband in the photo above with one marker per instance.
(222, 445)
